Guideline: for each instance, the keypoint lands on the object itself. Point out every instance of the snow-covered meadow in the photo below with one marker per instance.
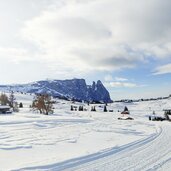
(32, 141)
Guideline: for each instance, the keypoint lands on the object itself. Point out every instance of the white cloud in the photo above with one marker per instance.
(165, 69)
(102, 35)
(15, 54)
(120, 82)
(121, 85)
(108, 78)
(121, 79)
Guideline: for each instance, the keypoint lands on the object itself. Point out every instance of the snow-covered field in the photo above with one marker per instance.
(72, 140)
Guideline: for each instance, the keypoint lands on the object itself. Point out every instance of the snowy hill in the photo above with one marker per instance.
(76, 89)
(85, 140)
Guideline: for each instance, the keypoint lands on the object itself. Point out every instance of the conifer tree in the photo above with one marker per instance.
(125, 109)
(105, 108)
(93, 109)
(15, 107)
(21, 105)
(12, 99)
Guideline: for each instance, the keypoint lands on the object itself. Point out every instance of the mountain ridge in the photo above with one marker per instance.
(73, 89)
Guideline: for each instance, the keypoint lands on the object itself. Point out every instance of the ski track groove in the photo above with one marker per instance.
(144, 155)
(149, 153)
(117, 159)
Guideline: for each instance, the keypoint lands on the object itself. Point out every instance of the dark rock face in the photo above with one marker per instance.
(76, 89)
(98, 92)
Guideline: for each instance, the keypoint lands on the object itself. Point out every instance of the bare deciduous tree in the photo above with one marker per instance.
(4, 99)
(12, 99)
(43, 104)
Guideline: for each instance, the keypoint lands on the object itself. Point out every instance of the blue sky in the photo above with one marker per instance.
(126, 45)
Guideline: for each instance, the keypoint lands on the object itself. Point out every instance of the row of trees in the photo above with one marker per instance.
(11, 101)
(93, 108)
(41, 103)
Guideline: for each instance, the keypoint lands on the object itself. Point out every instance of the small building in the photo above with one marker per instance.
(125, 112)
(167, 113)
(167, 116)
(5, 109)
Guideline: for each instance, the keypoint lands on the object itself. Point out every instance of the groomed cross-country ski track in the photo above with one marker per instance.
(151, 153)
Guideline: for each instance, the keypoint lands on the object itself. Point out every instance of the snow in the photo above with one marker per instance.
(73, 140)
(4, 107)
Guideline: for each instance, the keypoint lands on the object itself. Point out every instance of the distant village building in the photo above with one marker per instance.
(167, 114)
(5, 109)
(126, 111)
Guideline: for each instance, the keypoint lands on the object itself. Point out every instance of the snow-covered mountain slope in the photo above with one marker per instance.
(74, 140)
(73, 89)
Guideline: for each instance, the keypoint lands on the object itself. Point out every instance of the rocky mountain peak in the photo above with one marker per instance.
(76, 89)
